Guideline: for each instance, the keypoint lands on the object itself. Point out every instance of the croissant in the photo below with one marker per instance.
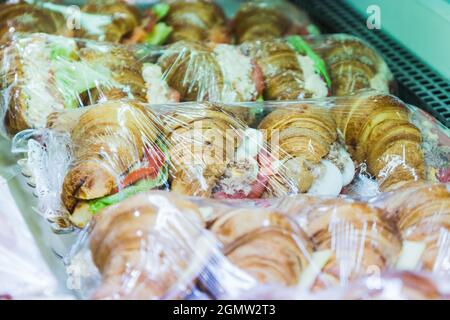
(422, 212)
(354, 66)
(287, 74)
(266, 20)
(124, 19)
(359, 236)
(125, 69)
(200, 72)
(197, 21)
(238, 222)
(306, 155)
(44, 74)
(378, 131)
(202, 141)
(142, 256)
(111, 143)
(271, 254)
(24, 17)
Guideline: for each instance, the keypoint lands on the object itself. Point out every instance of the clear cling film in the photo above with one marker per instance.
(156, 22)
(217, 150)
(44, 73)
(157, 245)
(356, 146)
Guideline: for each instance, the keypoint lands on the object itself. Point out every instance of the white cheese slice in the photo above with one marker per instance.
(410, 255)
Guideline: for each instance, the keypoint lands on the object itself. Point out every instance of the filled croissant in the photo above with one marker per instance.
(268, 20)
(201, 141)
(114, 149)
(306, 156)
(422, 212)
(289, 73)
(201, 72)
(197, 21)
(120, 21)
(43, 74)
(377, 130)
(403, 285)
(265, 244)
(142, 252)
(359, 237)
(24, 17)
(353, 65)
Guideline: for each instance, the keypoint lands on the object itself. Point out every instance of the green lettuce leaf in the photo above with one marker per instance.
(144, 185)
(161, 10)
(302, 47)
(159, 34)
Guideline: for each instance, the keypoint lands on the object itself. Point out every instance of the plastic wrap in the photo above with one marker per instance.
(225, 151)
(158, 245)
(391, 285)
(352, 64)
(43, 73)
(422, 214)
(24, 271)
(154, 246)
(112, 21)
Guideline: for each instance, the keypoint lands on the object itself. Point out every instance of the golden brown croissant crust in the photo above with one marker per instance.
(254, 22)
(107, 140)
(377, 130)
(154, 243)
(283, 74)
(23, 17)
(196, 21)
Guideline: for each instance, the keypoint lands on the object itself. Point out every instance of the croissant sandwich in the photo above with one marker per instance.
(49, 73)
(353, 65)
(115, 154)
(202, 140)
(265, 244)
(24, 17)
(267, 20)
(378, 131)
(422, 212)
(201, 72)
(290, 68)
(359, 237)
(144, 252)
(305, 154)
(196, 20)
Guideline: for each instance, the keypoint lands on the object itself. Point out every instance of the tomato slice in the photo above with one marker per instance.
(153, 161)
(137, 175)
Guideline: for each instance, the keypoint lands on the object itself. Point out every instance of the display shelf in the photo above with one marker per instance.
(418, 84)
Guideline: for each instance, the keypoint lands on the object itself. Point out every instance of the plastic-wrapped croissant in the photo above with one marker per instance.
(123, 18)
(264, 243)
(359, 237)
(197, 21)
(288, 74)
(201, 141)
(267, 20)
(422, 212)
(24, 17)
(43, 73)
(378, 131)
(201, 72)
(144, 255)
(306, 154)
(114, 147)
(353, 65)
